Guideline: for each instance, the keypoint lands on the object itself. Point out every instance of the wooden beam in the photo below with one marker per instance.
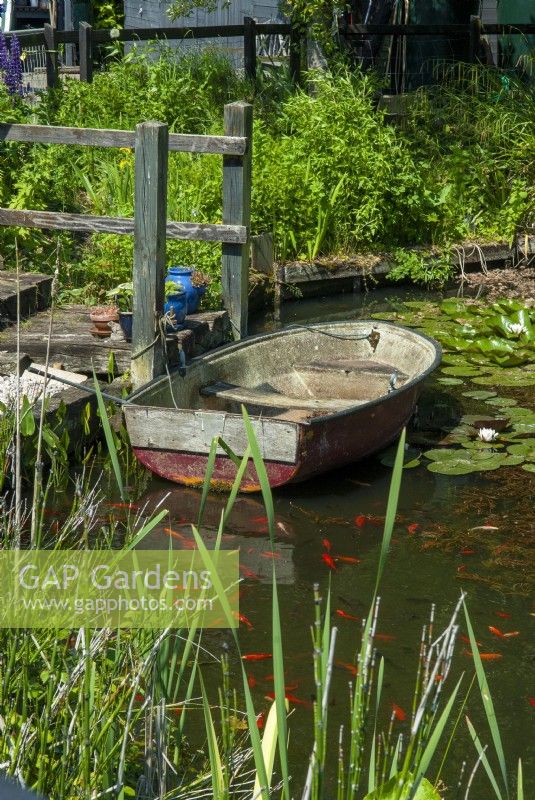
(237, 211)
(55, 220)
(101, 137)
(152, 147)
(51, 56)
(85, 34)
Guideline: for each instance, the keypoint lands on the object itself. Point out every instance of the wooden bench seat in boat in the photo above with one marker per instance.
(273, 399)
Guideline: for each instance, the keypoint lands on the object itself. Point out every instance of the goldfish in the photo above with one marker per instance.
(260, 720)
(283, 529)
(139, 698)
(270, 554)
(360, 521)
(345, 615)
(351, 668)
(466, 640)
(531, 701)
(485, 656)
(503, 615)
(251, 681)
(327, 559)
(467, 551)
(398, 713)
(495, 631)
(175, 534)
(511, 633)
(129, 506)
(259, 520)
(327, 545)
(413, 527)
(248, 573)
(256, 656)
(290, 697)
(384, 637)
(243, 618)
(347, 559)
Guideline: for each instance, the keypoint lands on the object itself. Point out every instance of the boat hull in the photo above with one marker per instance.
(327, 445)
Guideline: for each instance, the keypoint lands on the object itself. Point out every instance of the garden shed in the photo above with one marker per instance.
(153, 13)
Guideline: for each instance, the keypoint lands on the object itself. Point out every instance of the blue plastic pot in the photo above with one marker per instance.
(183, 275)
(177, 306)
(125, 321)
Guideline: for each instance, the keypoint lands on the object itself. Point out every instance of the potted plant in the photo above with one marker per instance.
(101, 316)
(123, 294)
(176, 305)
(200, 281)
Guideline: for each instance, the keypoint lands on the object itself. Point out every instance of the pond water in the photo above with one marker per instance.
(473, 532)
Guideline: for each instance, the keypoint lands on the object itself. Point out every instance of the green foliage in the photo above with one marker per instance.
(421, 267)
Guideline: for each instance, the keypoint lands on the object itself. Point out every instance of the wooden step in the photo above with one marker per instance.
(272, 399)
(35, 293)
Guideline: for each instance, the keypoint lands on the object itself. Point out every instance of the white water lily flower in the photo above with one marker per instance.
(487, 435)
(517, 328)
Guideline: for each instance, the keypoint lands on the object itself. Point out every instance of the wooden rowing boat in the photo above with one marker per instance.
(319, 396)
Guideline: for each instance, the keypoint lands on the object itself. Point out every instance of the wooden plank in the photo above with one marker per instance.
(51, 56)
(256, 397)
(85, 33)
(101, 137)
(249, 48)
(55, 220)
(237, 211)
(152, 147)
(149, 34)
(192, 431)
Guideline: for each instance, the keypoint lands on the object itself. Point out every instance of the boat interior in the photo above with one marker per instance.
(301, 373)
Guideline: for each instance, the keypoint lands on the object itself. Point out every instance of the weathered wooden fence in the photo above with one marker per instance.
(149, 226)
(88, 38)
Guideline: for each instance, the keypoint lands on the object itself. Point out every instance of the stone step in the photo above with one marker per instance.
(35, 294)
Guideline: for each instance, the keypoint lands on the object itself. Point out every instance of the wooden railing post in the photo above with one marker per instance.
(237, 211)
(475, 38)
(249, 48)
(295, 53)
(51, 56)
(85, 43)
(150, 216)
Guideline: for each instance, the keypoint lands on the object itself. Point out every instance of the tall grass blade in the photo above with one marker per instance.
(110, 441)
(372, 767)
(436, 735)
(484, 760)
(488, 705)
(269, 746)
(391, 508)
(216, 767)
(520, 782)
(210, 463)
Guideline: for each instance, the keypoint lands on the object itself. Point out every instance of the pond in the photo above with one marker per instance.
(469, 531)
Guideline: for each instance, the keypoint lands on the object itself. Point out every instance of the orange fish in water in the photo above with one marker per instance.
(511, 633)
(327, 545)
(256, 656)
(242, 618)
(139, 698)
(129, 506)
(531, 701)
(283, 529)
(360, 521)
(270, 554)
(174, 534)
(496, 631)
(351, 668)
(398, 713)
(290, 697)
(467, 551)
(485, 656)
(327, 559)
(347, 559)
(345, 615)
(503, 615)
(248, 573)
(251, 681)
(260, 520)
(260, 720)
(413, 527)
(384, 637)
(466, 640)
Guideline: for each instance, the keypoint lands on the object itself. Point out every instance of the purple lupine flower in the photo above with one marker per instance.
(13, 77)
(4, 53)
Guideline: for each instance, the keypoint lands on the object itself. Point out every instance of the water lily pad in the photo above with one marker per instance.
(504, 402)
(411, 457)
(450, 381)
(461, 371)
(525, 449)
(478, 421)
(477, 444)
(529, 467)
(509, 377)
(513, 461)
(524, 427)
(455, 359)
(479, 394)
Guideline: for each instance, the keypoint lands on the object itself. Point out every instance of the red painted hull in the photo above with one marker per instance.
(323, 446)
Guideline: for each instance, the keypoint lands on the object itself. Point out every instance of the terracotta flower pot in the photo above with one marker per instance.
(101, 316)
